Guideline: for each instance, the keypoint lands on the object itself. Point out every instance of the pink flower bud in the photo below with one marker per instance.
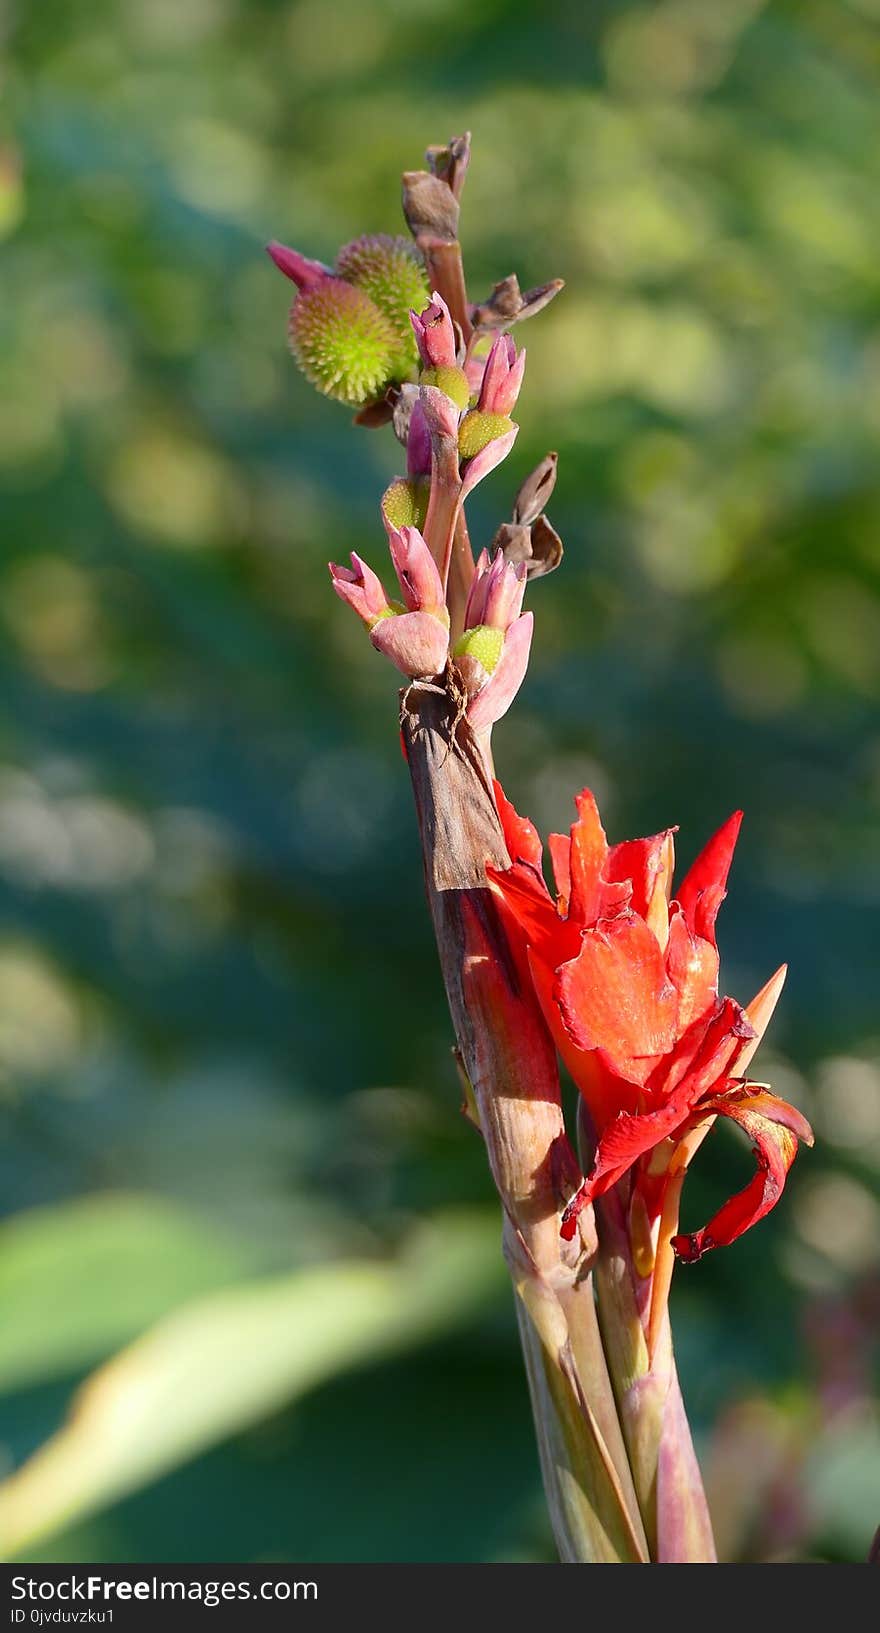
(304, 273)
(485, 461)
(416, 642)
(420, 583)
(359, 586)
(502, 378)
(435, 334)
(494, 699)
(418, 443)
(496, 593)
(440, 413)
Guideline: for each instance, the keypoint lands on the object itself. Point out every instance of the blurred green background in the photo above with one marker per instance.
(224, 1052)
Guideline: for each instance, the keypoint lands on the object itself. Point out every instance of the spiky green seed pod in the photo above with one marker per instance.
(405, 502)
(390, 271)
(342, 342)
(478, 429)
(453, 381)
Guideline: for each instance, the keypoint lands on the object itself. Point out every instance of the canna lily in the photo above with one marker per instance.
(492, 655)
(626, 973)
(414, 634)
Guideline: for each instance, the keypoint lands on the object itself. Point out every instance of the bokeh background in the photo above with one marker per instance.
(238, 1196)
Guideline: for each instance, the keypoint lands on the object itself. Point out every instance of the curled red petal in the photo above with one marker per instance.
(615, 996)
(704, 887)
(520, 834)
(774, 1128)
(710, 1048)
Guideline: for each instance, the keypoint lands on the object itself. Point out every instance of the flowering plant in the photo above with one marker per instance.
(616, 973)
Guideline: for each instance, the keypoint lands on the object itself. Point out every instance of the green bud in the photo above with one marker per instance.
(484, 643)
(390, 271)
(342, 342)
(478, 429)
(405, 503)
(453, 381)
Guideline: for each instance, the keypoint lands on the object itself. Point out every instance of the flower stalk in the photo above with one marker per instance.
(508, 1058)
(616, 973)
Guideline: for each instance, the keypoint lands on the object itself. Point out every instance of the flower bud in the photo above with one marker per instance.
(416, 642)
(359, 586)
(496, 593)
(493, 685)
(489, 453)
(414, 636)
(435, 335)
(502, 377)
(493, 653)
(417, 573)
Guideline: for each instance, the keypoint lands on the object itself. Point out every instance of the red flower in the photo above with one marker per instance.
(627, 977)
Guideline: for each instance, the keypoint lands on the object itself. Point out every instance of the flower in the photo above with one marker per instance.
(487, 433)
(435, 335)
(493, 653)
(626, 972)
(502, 377)
(415, 635)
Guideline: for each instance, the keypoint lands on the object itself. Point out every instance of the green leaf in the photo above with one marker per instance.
(222, 1363)
(81, 1278)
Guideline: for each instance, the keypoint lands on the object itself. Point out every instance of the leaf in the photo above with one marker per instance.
(81, 1278)
(223, 1363)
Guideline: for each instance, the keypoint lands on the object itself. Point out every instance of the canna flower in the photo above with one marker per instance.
(626, 972)
(435, 335)
(438, 349)
(493, 653)
(414, 634)
(487, 433)
(502, 377)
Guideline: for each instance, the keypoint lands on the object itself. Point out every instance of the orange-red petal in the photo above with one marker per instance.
(692, 967)
(520, 834)
(704, 887)
(587, 855)
(626, 1138)
(774, 1128)
(615, 996)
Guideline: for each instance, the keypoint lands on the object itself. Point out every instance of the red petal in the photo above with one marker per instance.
(559, 846)
(605, 1094)
(520, 835)
(710, 1049)
(589, 849)
(692, 967)
(703, 889)
(641, 861)
(615, 996)
(526, 898)
(774, 1128)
